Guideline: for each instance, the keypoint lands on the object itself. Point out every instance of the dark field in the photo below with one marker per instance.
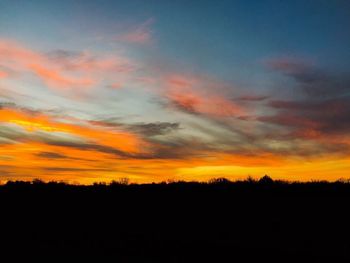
(177, 222)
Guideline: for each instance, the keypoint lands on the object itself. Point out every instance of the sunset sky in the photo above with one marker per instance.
(95, 91)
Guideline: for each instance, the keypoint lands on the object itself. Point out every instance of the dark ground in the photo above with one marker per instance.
(179, 222)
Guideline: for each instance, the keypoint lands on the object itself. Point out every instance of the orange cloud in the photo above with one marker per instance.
(193, 95)
(13, 54)
(120, 140)
(56, 79)
(64, 69)
(115, 85)
(3, 74)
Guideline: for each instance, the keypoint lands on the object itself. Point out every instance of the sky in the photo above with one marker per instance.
(151, 90)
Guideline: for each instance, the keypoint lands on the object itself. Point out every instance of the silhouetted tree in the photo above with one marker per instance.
(121, 181)
(220, 180)
(266, 179)
(38, 182)
(250, 180)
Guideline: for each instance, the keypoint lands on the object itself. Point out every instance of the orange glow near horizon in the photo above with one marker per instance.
(87, 165)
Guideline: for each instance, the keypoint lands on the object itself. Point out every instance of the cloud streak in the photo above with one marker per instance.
(63, 70)
(318, 113)
(140, 35)
(200, 96)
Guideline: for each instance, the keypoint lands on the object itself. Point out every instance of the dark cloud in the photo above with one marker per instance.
(72, 169)
(327, 117)
(6, 170)
(159, 150)
(176, 148)
(321, 105)
(27, 110)
(6, 104)
(14, 135)
(152, 129)
(186, 105)
(5, 173)
(86, 146)
(106, 123)
(247, 118)
(312, 81)
(145, 129)
(9, 94)
(67, 59)
(299, 69)
(51, 155)
(63, 54)
(253, 98)
(71, 60)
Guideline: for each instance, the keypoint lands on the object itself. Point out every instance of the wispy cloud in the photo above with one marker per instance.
(310, 80)
(64, 70)
(320, 109)
(193, 94)
(141, 34)
(252, 98)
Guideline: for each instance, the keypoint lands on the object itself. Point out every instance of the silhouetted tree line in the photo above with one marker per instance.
(251, 220)
(264, 180)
